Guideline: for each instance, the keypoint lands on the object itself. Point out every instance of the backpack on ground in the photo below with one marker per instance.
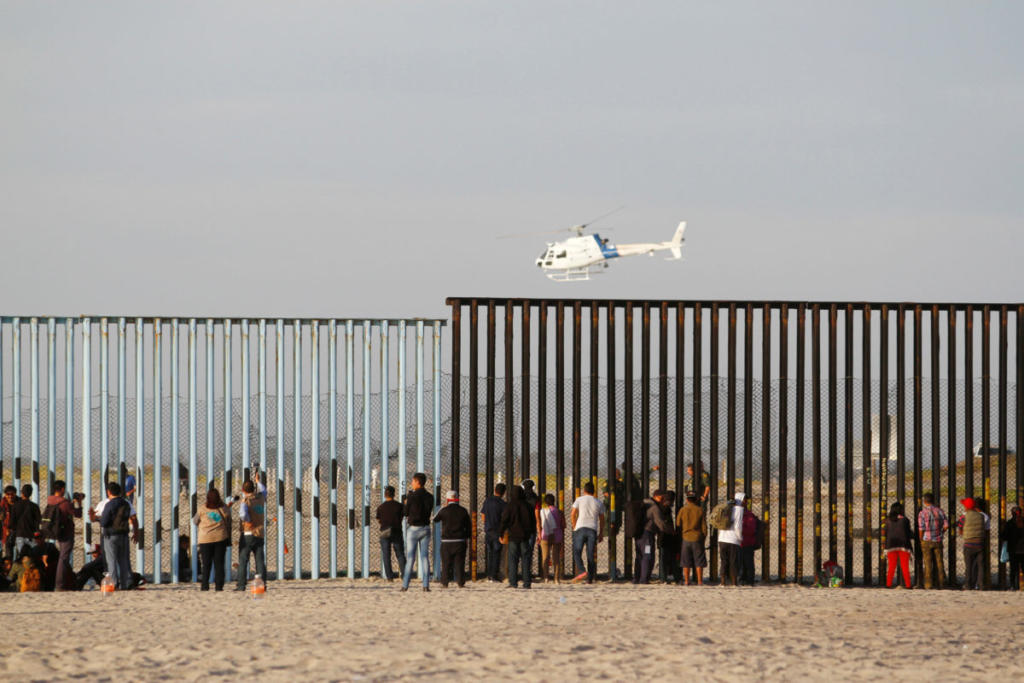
(721, 516)
(54, 523)
(636, 518)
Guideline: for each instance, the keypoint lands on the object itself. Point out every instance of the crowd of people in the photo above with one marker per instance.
(38, 542)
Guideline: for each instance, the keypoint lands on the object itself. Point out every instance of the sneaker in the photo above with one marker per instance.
(580, 576)
(426, 589)
(403, 589)
(239, 589)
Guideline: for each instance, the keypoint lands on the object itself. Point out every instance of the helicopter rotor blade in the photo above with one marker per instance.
(602, 217)
(575, 228)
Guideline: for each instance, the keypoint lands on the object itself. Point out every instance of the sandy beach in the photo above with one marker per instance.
(367, 630)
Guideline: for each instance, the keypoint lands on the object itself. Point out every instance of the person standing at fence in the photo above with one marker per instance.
(419, 505)
(251, 513)
(898, 537)
(520, 523)
(389, 516)
(749, 544)
(117, 519)
(455, 533)
(730, 539)
(213, 528)
(6, 519)
(1012, 535)
(692, 524)
(702, 488)
(654, 526)
(551, 531)
(59, 526)
(587, 525)
(974, 527)
(25, 520)
(668, 542)
(932, 525)
(492, 509)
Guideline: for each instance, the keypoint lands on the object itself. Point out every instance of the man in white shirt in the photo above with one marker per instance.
(729, 541)
(587, 526)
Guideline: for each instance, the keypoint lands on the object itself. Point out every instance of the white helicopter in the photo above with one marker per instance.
(577, 258)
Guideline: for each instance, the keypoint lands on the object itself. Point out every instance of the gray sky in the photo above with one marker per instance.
(359, 158)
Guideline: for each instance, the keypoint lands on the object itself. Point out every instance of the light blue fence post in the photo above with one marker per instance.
(385, 422)
(332, 428)
(86, 424)
(228, 450)
(297, 448)
(350, 489)
(279, 368)
(51, 403)
(437, 438)
(175, 460)
(33, 335)
(16, 399)
(314, 448)
(158, 427)
(193, 429)
(367, 342)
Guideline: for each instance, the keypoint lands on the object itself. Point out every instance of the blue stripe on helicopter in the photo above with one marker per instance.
(606, 251)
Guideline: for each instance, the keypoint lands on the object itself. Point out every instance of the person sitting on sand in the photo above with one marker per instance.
(213, 526)
(898, 537)
(94, 569)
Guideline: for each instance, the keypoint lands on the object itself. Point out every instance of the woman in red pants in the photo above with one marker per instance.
(898, 538)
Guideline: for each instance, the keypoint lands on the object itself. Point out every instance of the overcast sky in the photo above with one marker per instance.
(359, 158)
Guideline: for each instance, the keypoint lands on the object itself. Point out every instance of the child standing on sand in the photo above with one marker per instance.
(897, 544)
(551, 532)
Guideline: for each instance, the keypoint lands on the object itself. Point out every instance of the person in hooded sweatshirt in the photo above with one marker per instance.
(729, 542)
(1012, 535)
(518, 520)
(655, 525)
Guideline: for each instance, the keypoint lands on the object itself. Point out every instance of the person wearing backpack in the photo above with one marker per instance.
(748, 544)
(728, 519)
(58, 525)
(117, 519)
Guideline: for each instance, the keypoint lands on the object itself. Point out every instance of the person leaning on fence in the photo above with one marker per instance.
(117, 520)
(251, 511)
(213, 529)
(389, 516)
(655, 525)
(750, 543)
(455, 533)
(519, 522)
(974, 528)
(493, 506)
(551, 532)
(691, 522)
(587, 524)
(730, 538)
(932, 525)
(702, 489)
(1012, 538)
(898, 538)
(419, 505)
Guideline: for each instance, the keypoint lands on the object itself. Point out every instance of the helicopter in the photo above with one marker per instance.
(578, 258)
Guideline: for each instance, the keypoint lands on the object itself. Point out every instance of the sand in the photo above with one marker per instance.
(367, 630)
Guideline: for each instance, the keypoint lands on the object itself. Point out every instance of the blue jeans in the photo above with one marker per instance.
(519, 553)
(417, 536)
(494, 545)
(588, 537)
(386, 545)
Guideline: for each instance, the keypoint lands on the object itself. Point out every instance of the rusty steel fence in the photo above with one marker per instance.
(823, 412)
(330, 410)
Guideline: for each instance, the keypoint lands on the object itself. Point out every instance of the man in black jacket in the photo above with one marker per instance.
(418, 507)
(455, 532)
(519, 521)
(389, 515)
(654, 525)
(25, 518)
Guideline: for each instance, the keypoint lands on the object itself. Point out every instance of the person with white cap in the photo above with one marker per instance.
(455, 532)
(729, 542)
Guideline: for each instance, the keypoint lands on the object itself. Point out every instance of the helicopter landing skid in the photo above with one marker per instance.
(574, 274)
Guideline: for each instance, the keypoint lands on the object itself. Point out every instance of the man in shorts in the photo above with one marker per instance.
(692, 524)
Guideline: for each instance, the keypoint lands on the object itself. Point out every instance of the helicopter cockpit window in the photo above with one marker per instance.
(560, 254)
